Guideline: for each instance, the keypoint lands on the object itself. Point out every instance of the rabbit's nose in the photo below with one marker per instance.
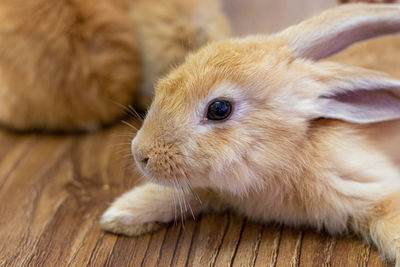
(144, 161)
(141, 158)
(140, 155)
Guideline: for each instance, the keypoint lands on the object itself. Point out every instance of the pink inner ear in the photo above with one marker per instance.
(361, 106)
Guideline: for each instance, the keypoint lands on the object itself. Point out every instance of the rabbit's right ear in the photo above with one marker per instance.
(355, 95)
(337, 28)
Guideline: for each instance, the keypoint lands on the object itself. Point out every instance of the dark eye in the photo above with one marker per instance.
(219, 110)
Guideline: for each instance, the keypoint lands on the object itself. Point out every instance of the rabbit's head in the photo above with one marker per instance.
(238, 112)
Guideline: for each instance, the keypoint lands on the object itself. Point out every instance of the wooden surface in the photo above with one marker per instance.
(54, 188)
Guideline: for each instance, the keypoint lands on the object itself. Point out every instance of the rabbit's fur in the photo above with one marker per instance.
(71, 64)
(308, 143)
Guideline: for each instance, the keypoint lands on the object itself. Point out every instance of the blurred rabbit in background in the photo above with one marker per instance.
(70, 65)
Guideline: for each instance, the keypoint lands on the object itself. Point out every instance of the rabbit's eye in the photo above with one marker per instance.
(219, 110)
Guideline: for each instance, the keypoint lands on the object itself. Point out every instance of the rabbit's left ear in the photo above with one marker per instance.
(356, 95)
(339, 27)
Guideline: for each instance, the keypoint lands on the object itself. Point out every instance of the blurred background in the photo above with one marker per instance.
(264, 16)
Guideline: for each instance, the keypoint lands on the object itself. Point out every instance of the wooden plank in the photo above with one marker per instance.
(232, 235)
(317, 249)
(249, 245)
(269, 246)
(208, 240)
(290, 247)
(185, 243)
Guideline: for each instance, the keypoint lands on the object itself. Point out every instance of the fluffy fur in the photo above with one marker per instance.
(65, 64)
(281, 156)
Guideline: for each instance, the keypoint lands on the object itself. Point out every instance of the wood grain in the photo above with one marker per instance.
(54, 188)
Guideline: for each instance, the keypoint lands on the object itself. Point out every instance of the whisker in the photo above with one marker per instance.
(190, 208)
(174, 205)
(123, 152)
(130, 168)
(187, 190)
(189, 185)
(122, 147)
(127, 109)
(183, 197)
(194, 193)
(136, 113)
(128, 131)
(127, 156)
(119, 144)
(130, 125)
(180, 201)
(183, 190)
(123, 135)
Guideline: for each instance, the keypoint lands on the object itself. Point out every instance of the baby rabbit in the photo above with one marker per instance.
(69, 64)
(261, 126)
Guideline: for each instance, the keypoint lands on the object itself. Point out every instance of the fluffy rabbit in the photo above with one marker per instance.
(65, 64)
(261, 126)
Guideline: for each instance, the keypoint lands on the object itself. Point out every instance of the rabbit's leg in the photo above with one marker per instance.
(383, 228)
(145, 207)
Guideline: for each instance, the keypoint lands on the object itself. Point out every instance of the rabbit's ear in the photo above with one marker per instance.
(356, 95)
(337, 28)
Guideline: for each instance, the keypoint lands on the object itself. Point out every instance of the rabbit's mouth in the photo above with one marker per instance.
(166, 168)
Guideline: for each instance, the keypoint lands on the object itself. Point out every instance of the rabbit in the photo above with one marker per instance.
(70, 65)
(269, 127)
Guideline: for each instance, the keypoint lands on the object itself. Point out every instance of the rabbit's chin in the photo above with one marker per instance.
(163, 180)
(178, 182)
(160, 181)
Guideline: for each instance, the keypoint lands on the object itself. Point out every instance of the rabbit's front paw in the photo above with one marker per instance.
(145, 208)
(141, 210)
(123, 222)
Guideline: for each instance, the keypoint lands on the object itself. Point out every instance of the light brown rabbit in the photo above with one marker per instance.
(261, 126)
(65, 64)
